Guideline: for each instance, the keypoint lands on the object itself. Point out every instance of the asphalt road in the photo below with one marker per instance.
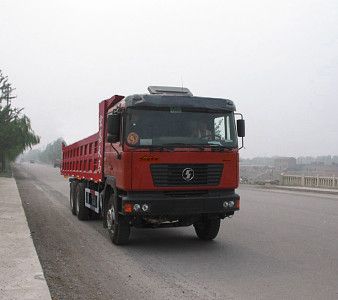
(281, 245)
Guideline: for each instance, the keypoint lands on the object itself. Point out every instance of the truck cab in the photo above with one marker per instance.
(170, 159)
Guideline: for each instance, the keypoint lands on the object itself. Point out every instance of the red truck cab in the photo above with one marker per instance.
(161, 159)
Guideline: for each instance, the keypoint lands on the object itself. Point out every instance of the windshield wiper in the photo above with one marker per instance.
(217, 147)
(159, 147)
(184, 145)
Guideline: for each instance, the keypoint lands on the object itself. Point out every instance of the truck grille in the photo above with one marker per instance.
(185, 193)
(171, 174)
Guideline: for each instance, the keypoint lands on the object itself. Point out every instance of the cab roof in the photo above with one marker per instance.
(179, 97)
(165, 100)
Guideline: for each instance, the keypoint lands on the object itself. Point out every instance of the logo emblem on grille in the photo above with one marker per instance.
(188, 174)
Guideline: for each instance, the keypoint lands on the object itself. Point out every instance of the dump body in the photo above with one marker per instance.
(84, 159)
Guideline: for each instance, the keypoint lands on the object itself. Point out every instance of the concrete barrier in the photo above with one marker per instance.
(309, 181)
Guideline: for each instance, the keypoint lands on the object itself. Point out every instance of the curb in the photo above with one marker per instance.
(301, 189)
(21, 274)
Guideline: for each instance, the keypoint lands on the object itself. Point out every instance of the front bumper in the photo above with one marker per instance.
(182, 203)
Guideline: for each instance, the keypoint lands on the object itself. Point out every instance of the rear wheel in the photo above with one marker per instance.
(81, 210)
(72, 197)
(118, 225)
(207, 229)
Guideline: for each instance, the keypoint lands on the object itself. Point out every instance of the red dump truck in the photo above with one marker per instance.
(163, 159)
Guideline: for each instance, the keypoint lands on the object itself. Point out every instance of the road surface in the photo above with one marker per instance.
(281, 245)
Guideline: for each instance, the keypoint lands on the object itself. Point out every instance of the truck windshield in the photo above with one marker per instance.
(178, 127)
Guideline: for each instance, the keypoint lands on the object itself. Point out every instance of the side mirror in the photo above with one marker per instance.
(241, 128)
(113, 128)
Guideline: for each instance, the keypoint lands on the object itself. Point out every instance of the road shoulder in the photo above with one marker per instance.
(292, 189)
(21, 275)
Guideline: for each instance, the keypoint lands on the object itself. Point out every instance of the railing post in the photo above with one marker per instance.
(281, 179)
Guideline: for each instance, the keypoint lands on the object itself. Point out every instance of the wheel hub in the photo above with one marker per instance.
(110, 218)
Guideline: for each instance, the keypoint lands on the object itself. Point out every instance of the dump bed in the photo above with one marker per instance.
(84, 159)
(81, 159)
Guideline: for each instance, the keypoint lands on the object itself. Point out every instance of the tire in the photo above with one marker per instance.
(207, 229)
(119, 231)
(81, 210)
(72, 197)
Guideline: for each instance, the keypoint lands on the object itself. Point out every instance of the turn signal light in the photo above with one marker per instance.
(237, 204)
(128, 207)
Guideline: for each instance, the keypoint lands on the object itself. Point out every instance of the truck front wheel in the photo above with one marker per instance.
(207, 229)
(118, 225)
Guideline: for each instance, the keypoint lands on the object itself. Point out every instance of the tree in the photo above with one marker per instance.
(51, 154)
(16, 134)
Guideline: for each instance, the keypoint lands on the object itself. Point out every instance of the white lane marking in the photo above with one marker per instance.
(38, 187)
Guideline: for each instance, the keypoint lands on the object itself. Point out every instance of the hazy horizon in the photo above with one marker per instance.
(277, 60)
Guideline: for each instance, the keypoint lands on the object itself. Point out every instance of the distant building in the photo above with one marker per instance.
(285, 163)
(320, 169)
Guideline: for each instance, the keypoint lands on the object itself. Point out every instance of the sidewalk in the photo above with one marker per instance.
(21, 275)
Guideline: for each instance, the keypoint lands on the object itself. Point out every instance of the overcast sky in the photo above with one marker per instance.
(278, 60)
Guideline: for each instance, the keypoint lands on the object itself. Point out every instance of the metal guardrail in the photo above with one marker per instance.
(309, 181)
